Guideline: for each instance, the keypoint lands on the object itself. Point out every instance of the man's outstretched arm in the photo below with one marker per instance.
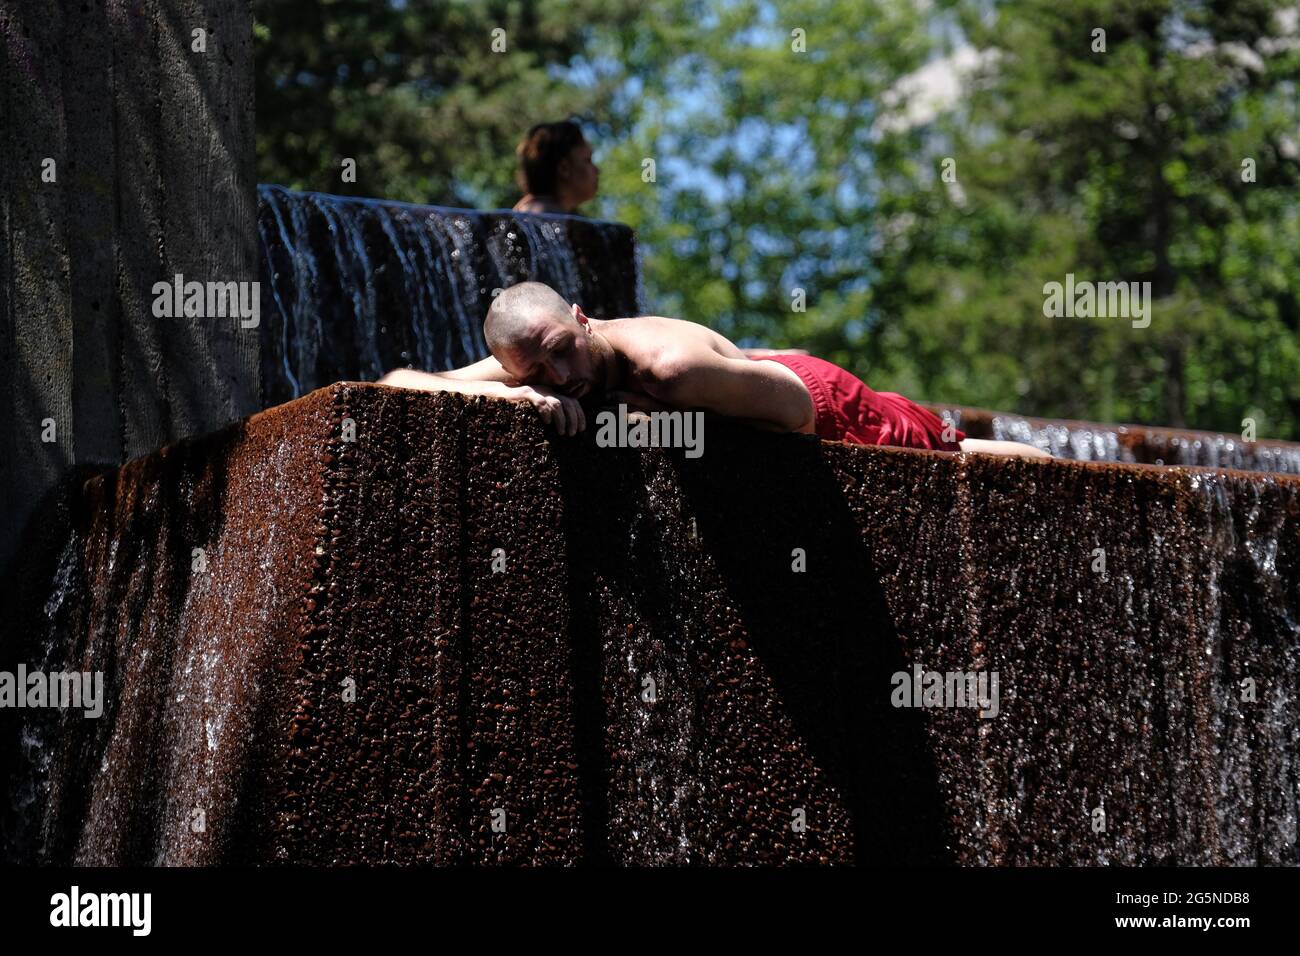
(487, 373)
(487, 377)
(990, 447)
(764, 393)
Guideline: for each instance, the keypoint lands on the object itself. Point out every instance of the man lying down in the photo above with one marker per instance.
(550, 354)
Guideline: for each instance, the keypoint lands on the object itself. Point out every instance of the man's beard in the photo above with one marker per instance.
(595, 393)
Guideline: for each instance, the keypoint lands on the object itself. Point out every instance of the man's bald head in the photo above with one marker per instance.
(539, 339)
(519, 312)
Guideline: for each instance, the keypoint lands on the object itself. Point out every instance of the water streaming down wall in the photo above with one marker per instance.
(647, 679)
(1143, 444)
(352, 288)
(525, 690)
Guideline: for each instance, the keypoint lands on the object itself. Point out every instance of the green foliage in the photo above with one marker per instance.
(1122, 165)
(414, 92)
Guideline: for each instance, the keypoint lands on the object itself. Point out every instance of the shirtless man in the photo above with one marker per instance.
(550, 354)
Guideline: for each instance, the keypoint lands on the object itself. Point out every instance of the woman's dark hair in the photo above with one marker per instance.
(540, 154)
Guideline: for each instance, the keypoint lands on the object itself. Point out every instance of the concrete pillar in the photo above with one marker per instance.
(127, 157)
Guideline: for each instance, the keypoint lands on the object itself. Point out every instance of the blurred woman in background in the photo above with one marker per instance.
(555, 169)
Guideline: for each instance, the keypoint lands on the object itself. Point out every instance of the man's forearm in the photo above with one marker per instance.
(433, 382)
(562, 411)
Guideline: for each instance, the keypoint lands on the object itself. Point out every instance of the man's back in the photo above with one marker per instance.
(643, 340)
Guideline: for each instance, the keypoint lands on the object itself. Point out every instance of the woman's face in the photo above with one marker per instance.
(579, 176)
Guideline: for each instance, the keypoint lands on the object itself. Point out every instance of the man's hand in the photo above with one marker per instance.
(562, 411)
(489, 379)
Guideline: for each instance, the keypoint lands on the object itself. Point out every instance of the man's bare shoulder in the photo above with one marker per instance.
(650, 335)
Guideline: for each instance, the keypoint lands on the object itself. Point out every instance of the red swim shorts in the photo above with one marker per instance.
(847, 410)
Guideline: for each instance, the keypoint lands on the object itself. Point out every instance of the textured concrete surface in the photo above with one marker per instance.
(153, 145)
(647, 680)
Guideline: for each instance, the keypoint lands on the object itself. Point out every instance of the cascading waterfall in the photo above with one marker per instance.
(1087, 441)
(38, 728)
(1245, 591)
(352, 288)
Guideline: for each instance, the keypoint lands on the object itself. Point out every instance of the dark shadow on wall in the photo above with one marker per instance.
(588, 564)
(825, 636)
(825, 639)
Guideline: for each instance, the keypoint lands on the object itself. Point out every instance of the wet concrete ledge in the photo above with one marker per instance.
(647, 680)
(1141, 444)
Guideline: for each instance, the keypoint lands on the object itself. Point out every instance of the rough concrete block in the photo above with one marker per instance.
(328, 561)
(564, 653)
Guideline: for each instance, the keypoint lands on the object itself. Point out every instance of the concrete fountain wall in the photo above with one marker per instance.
(638, 675)
(646, 680)
(127, 159)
